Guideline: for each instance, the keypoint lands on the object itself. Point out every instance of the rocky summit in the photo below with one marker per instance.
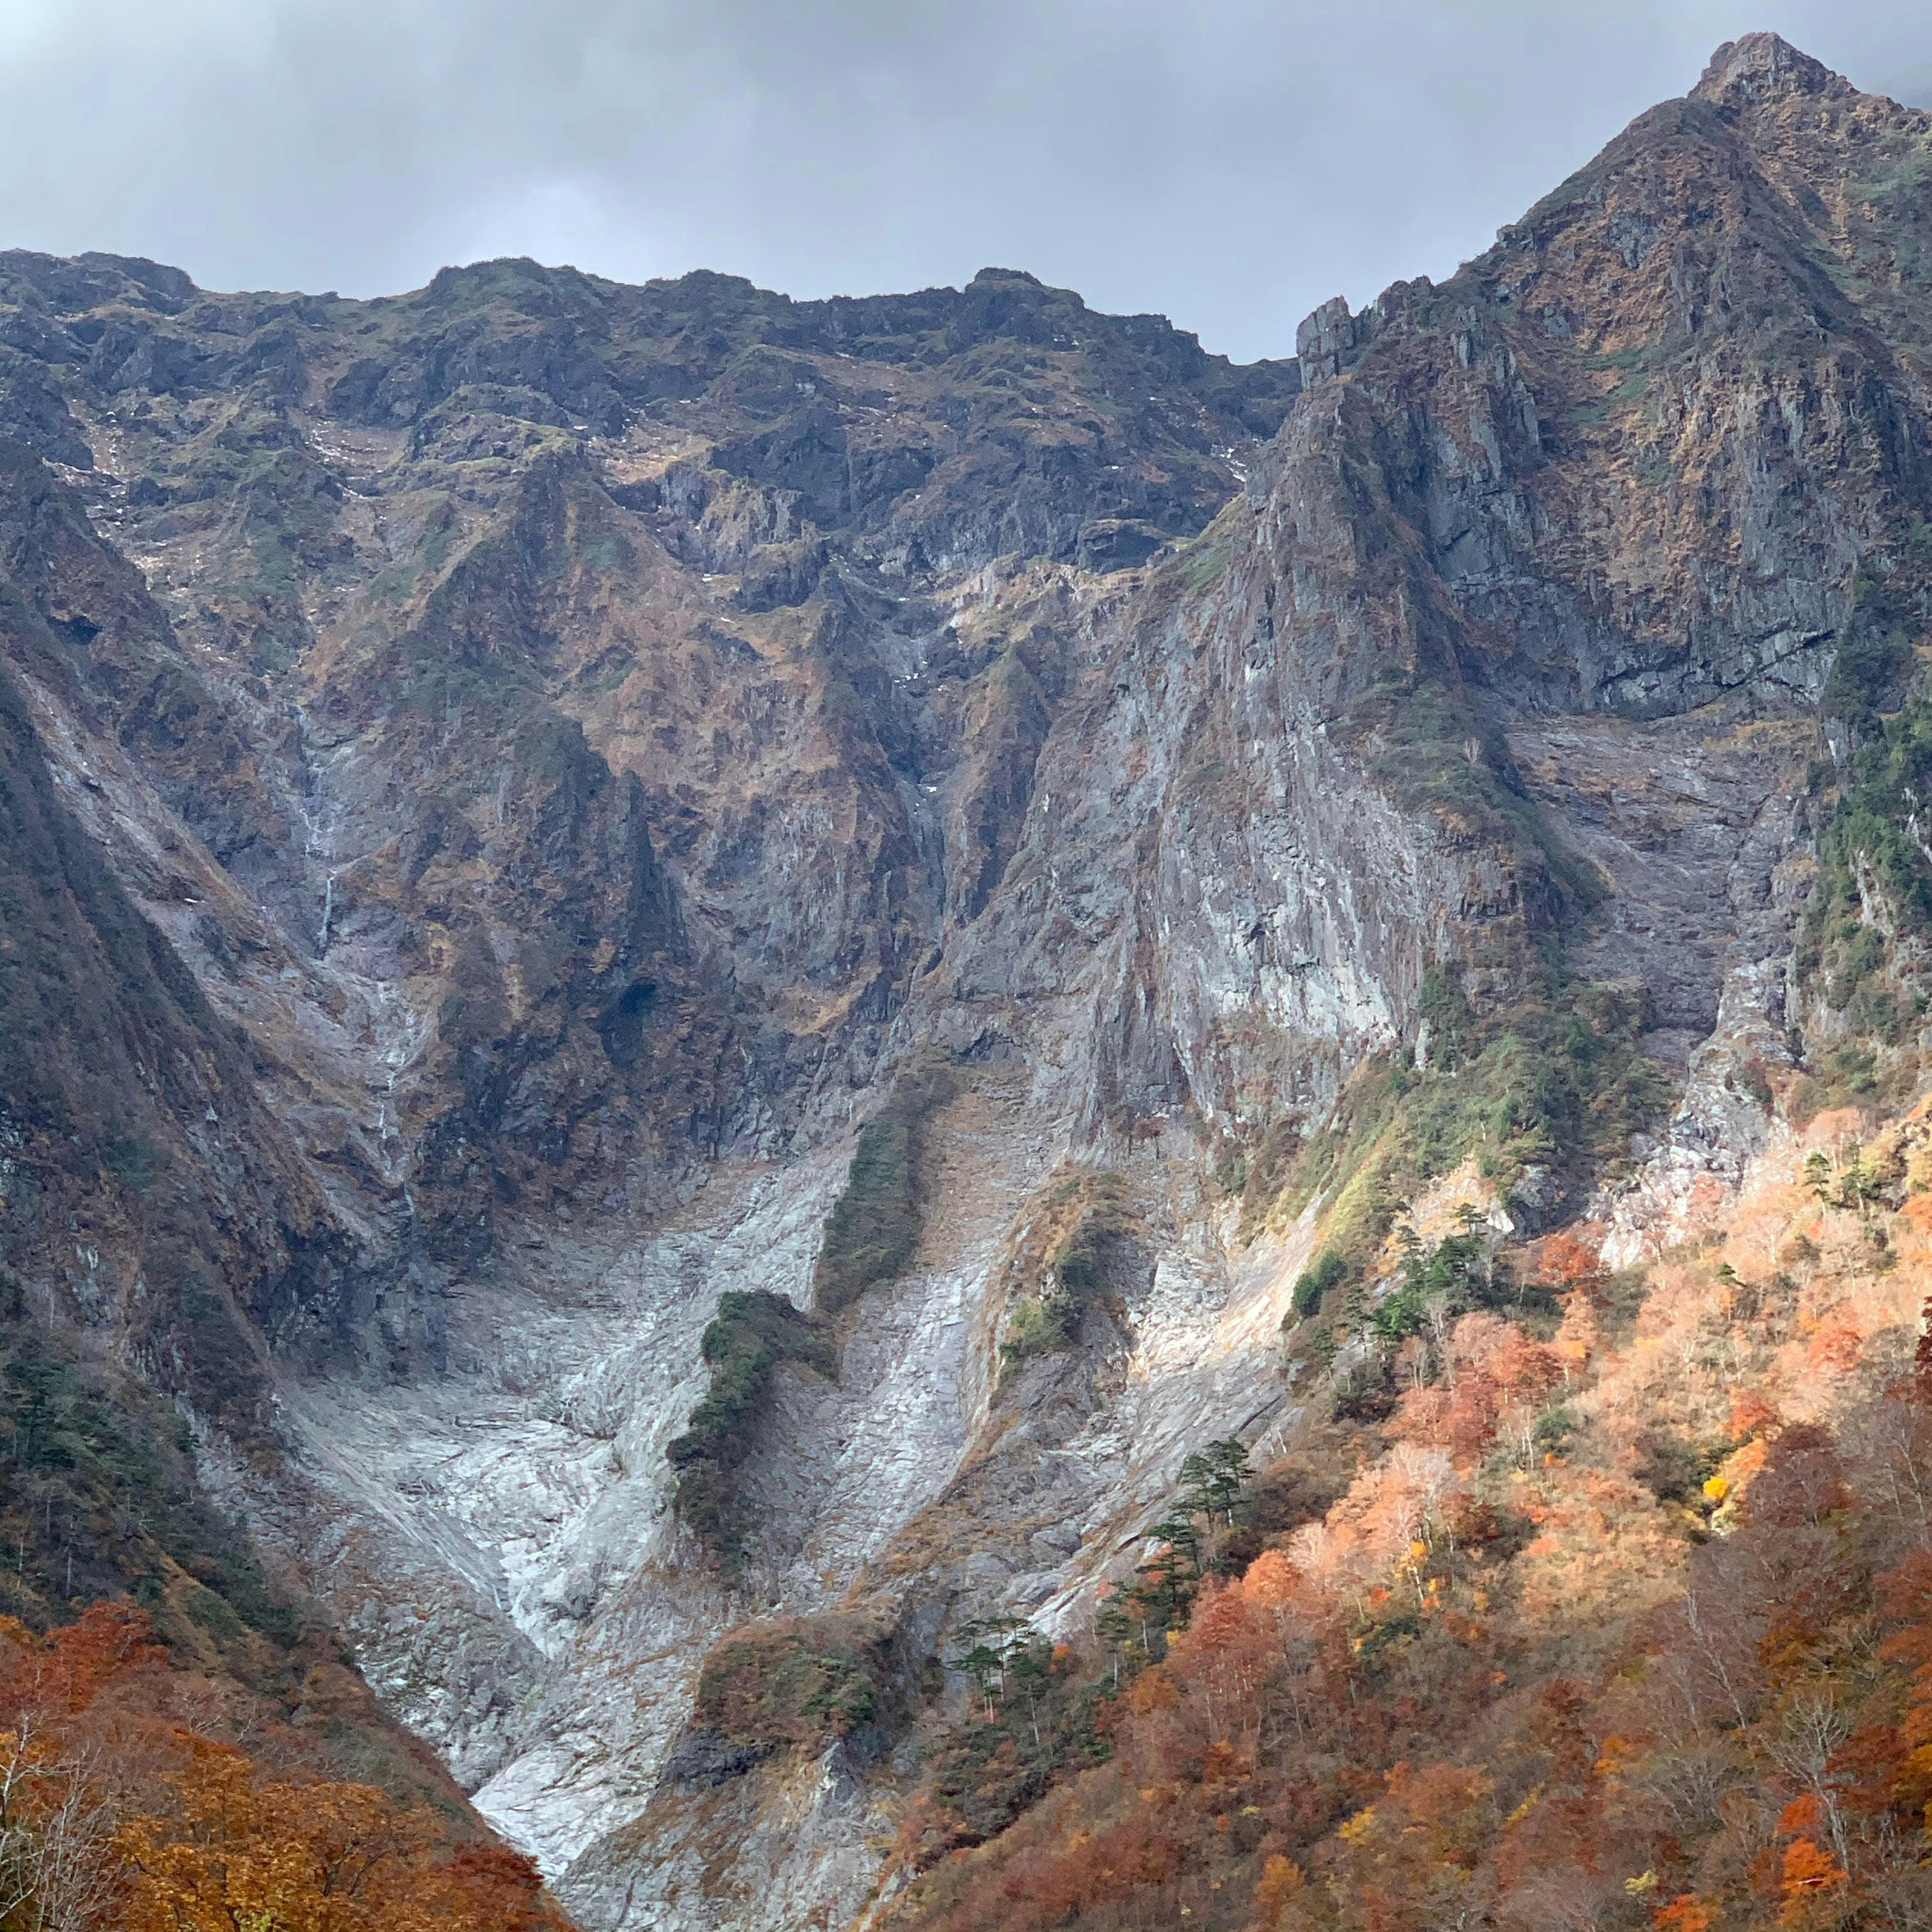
(697, 990)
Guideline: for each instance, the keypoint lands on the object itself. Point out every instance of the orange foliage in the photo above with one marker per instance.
(1498, 1378)
(144, 1824)
(230, 1850)
(1836, 1347)
(1800, 1816)
(1687, 1912)
(1409, 1862)
(1153, 1690)
(1269, 1581)
(1281, 1879)
(1630, 1626)
(1565, 1262)
(68, 1670)
(1806, 1883)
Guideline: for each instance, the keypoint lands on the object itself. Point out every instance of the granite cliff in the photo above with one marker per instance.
(536, 805)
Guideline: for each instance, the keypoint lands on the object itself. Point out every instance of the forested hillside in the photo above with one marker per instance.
(1624, 1617)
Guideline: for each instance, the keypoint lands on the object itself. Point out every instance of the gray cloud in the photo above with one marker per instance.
(1229, 162)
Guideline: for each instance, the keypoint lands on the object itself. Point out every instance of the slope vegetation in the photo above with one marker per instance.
(513, 794)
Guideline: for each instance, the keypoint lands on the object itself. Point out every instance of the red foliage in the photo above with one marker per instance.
(65, 1672)
(1500, 1681)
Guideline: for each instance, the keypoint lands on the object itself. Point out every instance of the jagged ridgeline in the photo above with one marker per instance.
(1314, 906)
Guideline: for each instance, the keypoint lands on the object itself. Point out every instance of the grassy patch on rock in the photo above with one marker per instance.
(1437, 759)
(1065, 1257)
(1862, 951)
(794, 1683)
(1537, 1091)
(873, 1230)
(749, 1337)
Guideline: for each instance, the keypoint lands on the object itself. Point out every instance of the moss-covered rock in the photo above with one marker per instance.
(750, 1334)
(795, 1682)
(873, 1230)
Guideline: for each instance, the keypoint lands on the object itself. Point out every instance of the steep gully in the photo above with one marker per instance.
(584, 742)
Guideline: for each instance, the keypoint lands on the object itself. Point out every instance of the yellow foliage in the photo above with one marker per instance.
(1528, 1804)
(1359, 1827)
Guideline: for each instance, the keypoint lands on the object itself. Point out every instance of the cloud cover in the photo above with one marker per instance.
(1230, 163)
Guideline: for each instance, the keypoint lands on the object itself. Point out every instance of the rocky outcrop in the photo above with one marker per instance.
(1634, 464)
(144, 1174)
(535, 759)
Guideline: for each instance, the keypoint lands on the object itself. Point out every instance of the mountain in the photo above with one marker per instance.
(703, 978)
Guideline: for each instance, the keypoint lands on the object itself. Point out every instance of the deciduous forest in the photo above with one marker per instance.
(1623, 1616)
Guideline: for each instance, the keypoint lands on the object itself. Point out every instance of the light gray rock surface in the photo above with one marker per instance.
(573, 745)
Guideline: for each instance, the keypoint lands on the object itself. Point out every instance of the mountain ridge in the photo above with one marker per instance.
(569, 754)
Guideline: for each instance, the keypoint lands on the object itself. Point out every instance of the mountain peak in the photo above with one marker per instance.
(1760, 68)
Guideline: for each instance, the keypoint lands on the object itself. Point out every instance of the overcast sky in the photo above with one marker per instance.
(1230, 163)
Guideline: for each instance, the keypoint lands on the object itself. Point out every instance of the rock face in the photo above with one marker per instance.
(498, 780)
